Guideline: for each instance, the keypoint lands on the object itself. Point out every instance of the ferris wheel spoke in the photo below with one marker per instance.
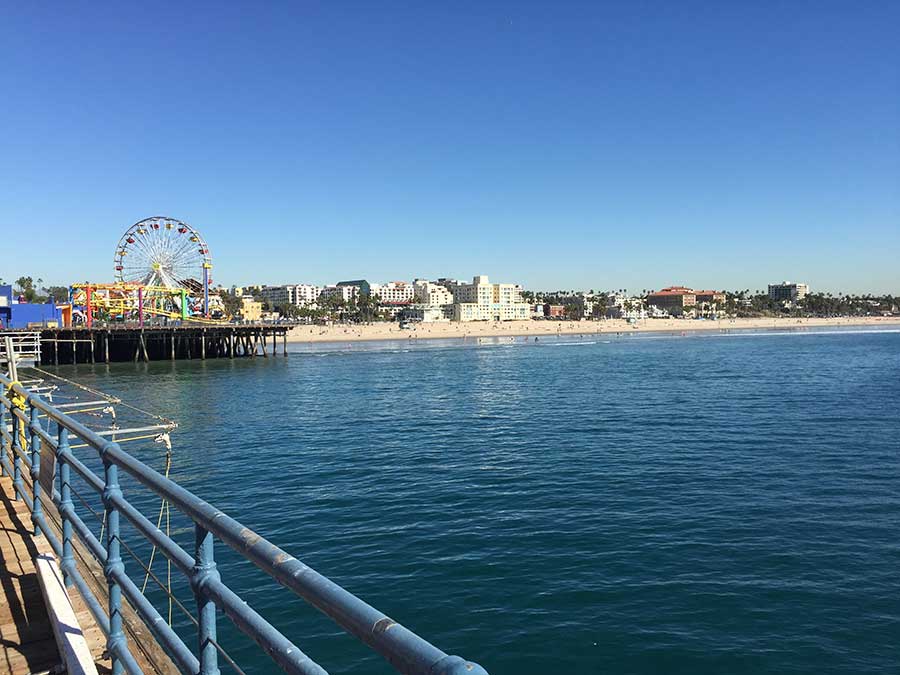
(185, 247)
(160, 255)
(143, 245)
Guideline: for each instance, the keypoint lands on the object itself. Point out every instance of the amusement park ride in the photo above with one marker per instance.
(162, 274)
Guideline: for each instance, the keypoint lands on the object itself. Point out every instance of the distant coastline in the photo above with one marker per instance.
(484, 329)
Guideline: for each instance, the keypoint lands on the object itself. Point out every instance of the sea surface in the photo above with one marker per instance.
(635, 504)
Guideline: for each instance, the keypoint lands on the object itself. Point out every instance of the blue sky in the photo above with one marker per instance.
(560, 145)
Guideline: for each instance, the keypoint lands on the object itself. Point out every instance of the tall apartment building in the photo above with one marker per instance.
(787, 291)
(483, 301)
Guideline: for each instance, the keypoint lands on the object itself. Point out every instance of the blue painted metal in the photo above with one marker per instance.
(38, 509)
(4, 442)
(402, 648)
(115, 642)
(205, 572)
(17, 452)
(66, 507)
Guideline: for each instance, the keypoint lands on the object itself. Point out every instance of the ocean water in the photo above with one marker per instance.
(679, 504)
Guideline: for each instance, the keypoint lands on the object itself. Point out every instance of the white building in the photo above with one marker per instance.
(301, 295)
(483, 301)
(621, 306)
(426, 313)
(394, 292)
(430, 293)
(345, 293)
(788, 292)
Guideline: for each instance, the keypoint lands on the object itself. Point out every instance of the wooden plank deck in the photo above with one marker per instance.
(26, 635)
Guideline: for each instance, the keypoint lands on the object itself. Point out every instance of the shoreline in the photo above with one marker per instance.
(438, 331)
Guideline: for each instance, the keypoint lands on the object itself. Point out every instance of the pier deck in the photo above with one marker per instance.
(26, 634)
(110, 344)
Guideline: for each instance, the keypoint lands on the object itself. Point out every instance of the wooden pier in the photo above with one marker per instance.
(160, 343)
(28, 644)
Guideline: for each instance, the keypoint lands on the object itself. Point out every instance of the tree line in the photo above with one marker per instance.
(33, 291)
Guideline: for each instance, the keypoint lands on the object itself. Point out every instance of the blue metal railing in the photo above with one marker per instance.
(21, 447)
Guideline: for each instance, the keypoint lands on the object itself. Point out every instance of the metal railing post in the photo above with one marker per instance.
(4, 450)
(67, 564)
(204, 572)
(37, 508)
(17, 456)
(114, 565)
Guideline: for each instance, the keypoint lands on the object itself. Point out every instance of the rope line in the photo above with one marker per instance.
(111, 399)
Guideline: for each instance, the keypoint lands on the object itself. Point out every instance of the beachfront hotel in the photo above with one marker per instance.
(483, 301)
(676, 299)
(393, 292)
(787, 291)
(673, 299)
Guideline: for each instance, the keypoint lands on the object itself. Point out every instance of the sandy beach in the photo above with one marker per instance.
(479, 329)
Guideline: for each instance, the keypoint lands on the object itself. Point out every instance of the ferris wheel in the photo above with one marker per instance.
(161, 251)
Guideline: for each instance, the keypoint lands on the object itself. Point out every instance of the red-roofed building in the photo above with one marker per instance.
(711, 297)
(673, 299)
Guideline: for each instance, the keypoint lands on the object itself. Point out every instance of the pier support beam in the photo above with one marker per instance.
(124, 343)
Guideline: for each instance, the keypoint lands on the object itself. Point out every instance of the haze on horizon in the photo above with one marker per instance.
(584, 145)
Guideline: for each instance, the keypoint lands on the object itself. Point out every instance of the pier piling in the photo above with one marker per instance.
(158, 343)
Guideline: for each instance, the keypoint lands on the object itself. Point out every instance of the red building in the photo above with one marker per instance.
(673, 299)
(554, 311)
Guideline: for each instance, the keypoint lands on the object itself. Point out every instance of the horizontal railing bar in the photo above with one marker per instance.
(87, 537)
(24, 455)
(181, 558)
(45, 437)
(120, 651)
(82, 470)
(159, 583)
(249, 622)
(29, 502)
(165, 636)
(60, 418)
(84, 503)
(400, 646)
(96, 549)
(91, 601)
(18, 412)
(405, 650)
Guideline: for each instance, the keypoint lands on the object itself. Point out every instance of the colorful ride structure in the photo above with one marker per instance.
(167, 253)
(132, 303)
(162, 273)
